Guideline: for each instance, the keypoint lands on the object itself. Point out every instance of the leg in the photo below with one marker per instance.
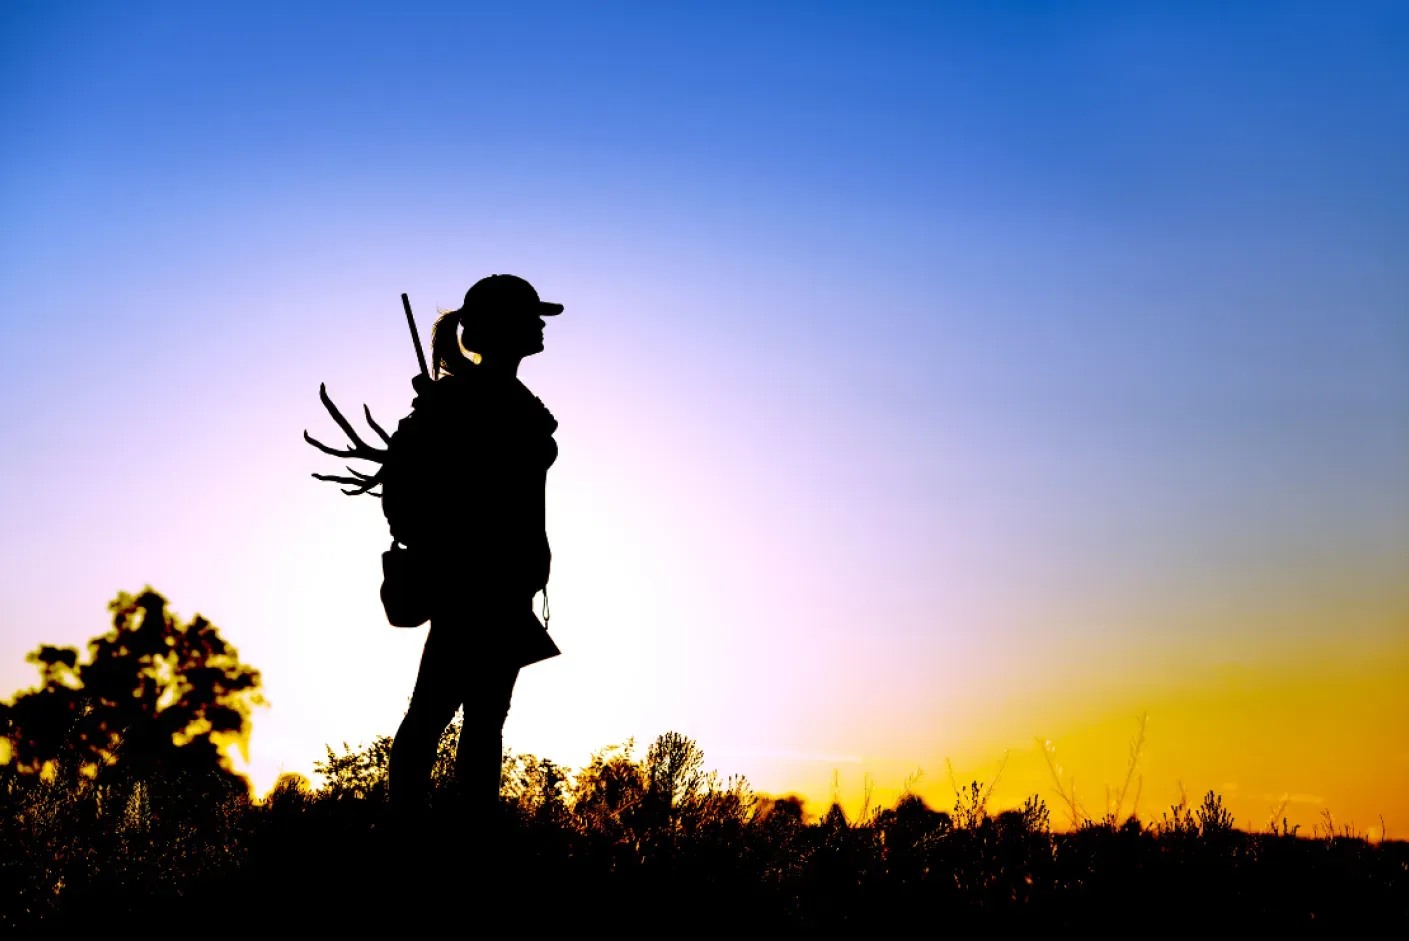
(433, 705)
(479, 758)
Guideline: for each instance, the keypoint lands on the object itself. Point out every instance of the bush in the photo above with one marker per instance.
(655, 836)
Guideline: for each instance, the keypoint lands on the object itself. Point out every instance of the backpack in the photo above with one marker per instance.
(406, 479)
(411, 476)
(407, 495)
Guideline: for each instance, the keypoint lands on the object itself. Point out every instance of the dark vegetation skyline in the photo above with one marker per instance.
(117, 805)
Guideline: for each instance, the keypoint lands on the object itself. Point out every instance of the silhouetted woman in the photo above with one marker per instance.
(485, 544)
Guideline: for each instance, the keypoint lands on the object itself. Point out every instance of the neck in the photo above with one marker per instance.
(503, 366)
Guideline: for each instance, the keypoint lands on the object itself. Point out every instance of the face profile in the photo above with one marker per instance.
(510, 334)
(538, 343)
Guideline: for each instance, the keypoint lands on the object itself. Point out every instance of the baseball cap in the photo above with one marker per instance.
(504, 293)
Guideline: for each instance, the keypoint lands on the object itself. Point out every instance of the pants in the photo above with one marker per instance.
(458, 668)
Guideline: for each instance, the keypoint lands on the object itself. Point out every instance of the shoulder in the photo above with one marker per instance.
(446, 394)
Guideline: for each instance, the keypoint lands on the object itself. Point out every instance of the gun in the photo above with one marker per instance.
(415, 337)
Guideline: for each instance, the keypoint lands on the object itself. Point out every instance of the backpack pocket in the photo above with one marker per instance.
(405, 595)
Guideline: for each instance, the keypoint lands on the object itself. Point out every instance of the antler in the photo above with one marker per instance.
(360, 450)
(386, 438)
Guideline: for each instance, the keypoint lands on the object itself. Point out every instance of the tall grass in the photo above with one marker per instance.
(656, 839)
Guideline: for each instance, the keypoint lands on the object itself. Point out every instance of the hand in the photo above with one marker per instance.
(422, 383)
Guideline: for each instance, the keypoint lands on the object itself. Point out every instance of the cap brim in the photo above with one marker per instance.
(546, 309)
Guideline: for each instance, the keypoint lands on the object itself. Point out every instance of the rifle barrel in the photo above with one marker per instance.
(415, 336)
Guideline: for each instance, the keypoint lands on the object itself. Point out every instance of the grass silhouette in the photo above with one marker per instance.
(653, 836)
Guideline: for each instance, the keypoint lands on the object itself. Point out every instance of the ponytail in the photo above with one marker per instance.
(447, 356)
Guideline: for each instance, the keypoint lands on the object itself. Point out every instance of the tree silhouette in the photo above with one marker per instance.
(154, 701)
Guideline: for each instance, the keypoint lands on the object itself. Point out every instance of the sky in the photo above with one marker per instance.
(937, 382)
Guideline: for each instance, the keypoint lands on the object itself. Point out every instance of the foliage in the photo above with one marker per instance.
(360, 775)
(155, 699)
(1213, 819)
(658, 835)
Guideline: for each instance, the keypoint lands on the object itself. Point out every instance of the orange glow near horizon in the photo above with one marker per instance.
(1323, 733)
